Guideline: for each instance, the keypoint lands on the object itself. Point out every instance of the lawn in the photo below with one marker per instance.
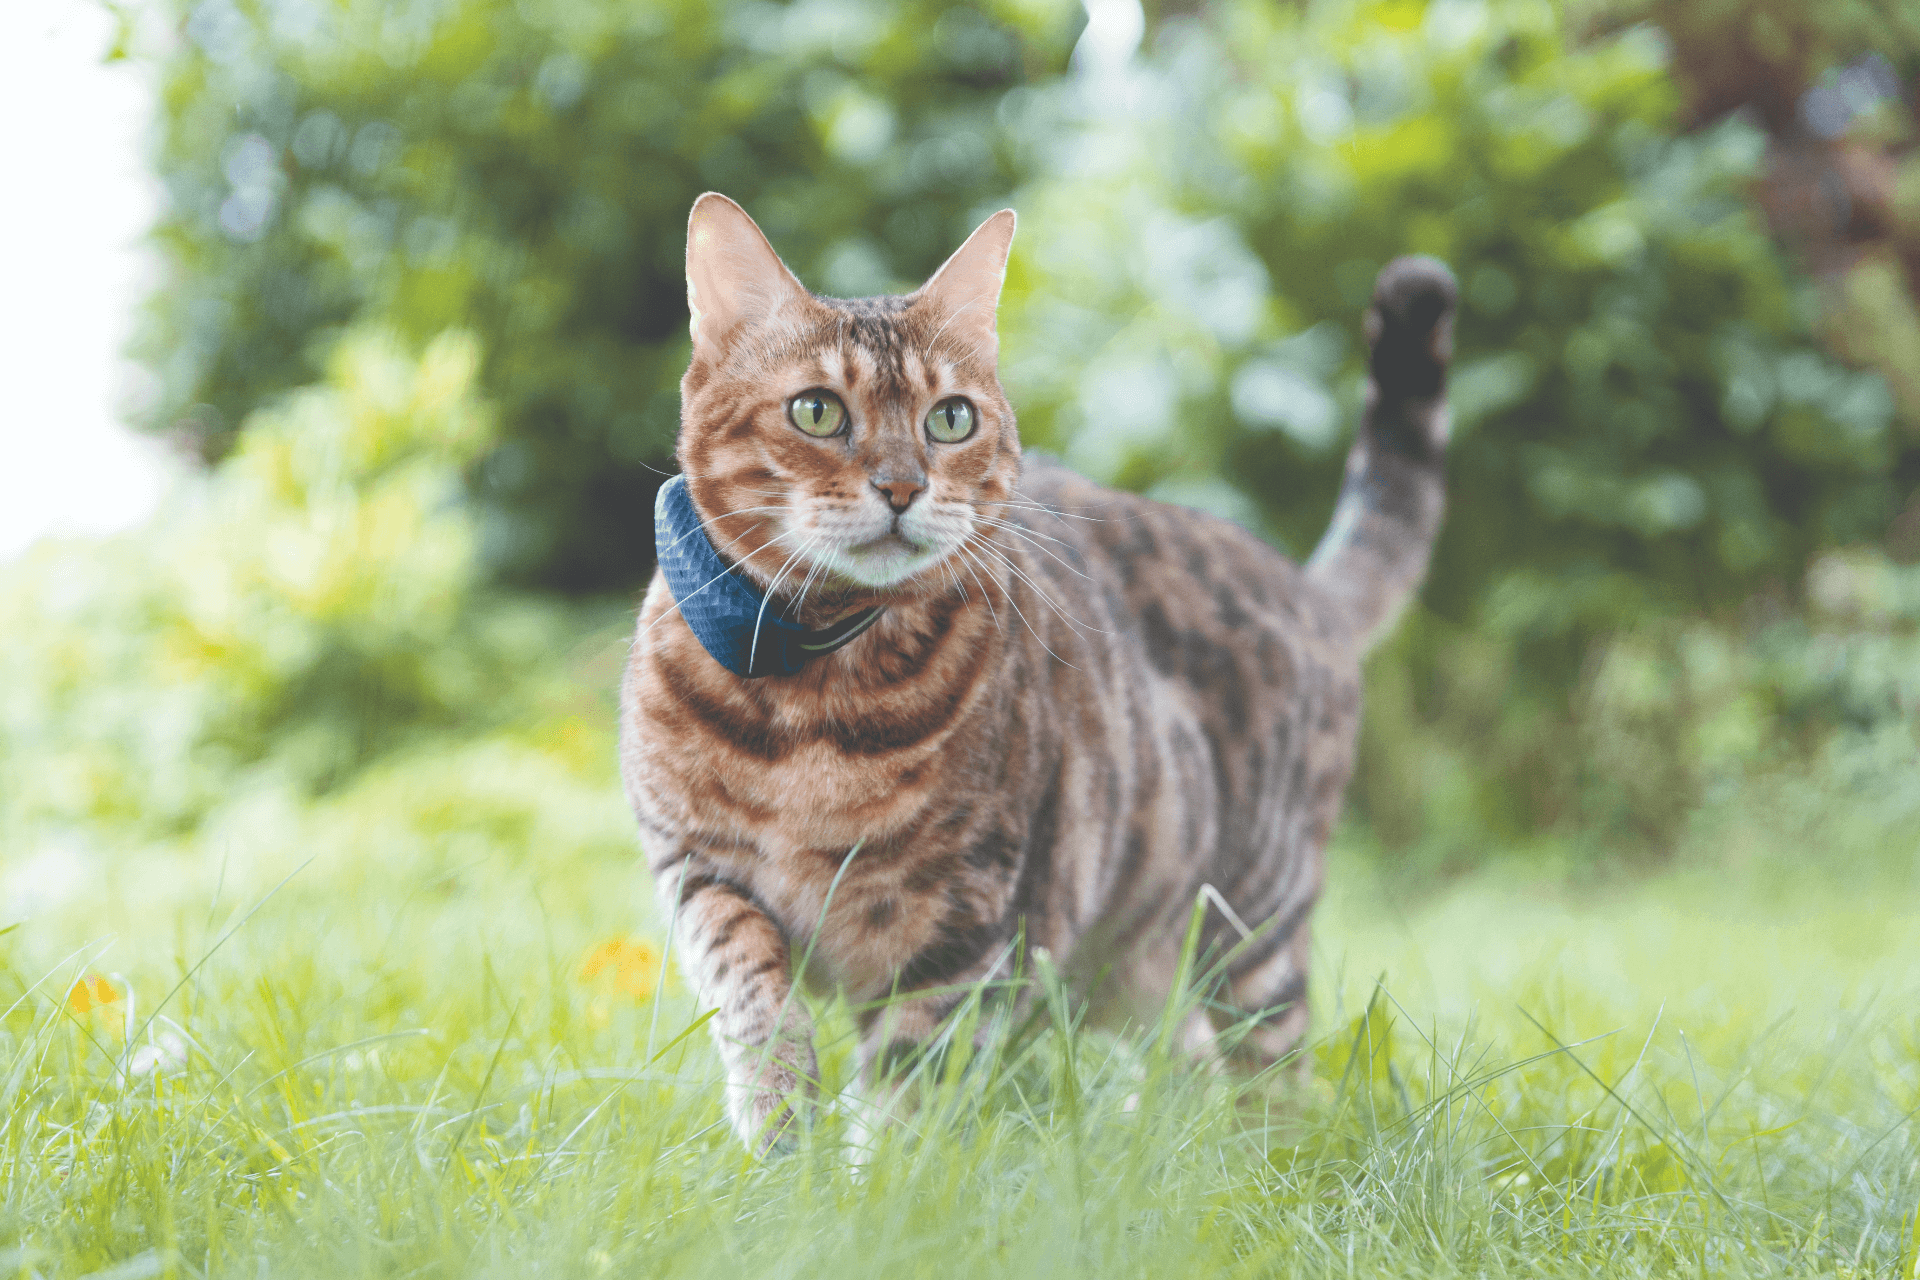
(419, 1060)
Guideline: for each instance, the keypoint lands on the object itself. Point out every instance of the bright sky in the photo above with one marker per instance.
(74, 200)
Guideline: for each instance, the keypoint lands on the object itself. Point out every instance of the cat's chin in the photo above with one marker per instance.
(884, 562)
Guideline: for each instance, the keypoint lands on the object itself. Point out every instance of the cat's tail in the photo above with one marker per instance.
(1375, 552)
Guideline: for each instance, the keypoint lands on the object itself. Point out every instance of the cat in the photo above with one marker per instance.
(899, 706)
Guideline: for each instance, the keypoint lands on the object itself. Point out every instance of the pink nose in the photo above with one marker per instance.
(900, 493)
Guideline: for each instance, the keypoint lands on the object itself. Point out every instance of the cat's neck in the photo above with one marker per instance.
(944, 627)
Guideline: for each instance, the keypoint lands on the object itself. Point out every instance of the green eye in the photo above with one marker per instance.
(818, 413)
(951, 421)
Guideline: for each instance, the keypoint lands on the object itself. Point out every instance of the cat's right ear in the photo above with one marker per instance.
(733, 275)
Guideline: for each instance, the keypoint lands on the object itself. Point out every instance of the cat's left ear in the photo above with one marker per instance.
(967, 285)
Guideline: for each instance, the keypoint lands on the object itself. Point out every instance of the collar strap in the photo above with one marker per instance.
(747, 632)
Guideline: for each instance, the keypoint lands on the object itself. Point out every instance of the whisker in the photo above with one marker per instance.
(1070, 620)
(806, 585)
(733, 541)
(973, 562)
(785, 565)
(1045, 510)
(819, 568)
(728, 516)
(1019, 532)
(709, 582)
(1015, 606)
(758, 618)
(1074, 624)
(1064, 563)
(998, 523)
(946, 567)
(985, 548)
(984, 593)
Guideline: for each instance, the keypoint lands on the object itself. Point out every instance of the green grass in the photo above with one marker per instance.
(394, 1063)
(391, 1068)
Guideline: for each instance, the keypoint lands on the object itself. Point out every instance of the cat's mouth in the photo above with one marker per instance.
(883, 561)
(888, 544)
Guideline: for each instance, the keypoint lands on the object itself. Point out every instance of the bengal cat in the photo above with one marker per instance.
(1006, 707)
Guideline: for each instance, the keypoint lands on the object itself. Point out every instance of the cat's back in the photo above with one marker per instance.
(1198, 595)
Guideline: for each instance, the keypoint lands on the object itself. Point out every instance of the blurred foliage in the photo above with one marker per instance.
(1645, 427)
(1832, 86)
(1652, 446)
(1765, 54)
(1666, 720)
(308, 624)
(523, 168)
(1642, 420)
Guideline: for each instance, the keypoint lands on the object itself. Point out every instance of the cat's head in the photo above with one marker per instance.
(852, 446)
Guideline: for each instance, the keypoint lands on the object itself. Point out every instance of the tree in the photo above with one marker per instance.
(523, 168)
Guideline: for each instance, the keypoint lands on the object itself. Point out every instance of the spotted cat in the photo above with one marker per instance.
(903, 702)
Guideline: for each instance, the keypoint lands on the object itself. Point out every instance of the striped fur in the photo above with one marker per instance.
(1086, 707)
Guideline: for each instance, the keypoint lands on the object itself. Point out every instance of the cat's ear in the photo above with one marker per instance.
(733, 275)
(967, 285)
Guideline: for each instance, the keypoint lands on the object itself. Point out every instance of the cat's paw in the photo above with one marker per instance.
(869, 1112)
(771, 1104)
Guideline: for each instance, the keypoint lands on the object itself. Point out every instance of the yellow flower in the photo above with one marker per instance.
(622, 966)
(92, 992)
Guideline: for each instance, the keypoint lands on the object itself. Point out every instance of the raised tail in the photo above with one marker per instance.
(1375, 551)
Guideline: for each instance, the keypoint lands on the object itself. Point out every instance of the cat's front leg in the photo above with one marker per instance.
(737, 959)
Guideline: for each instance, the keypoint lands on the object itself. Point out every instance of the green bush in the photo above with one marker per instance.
(313, 608)
(1644, 427)
(1650, 447)
(523, 169)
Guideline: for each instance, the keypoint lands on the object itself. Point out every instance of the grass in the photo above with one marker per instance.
(358, 976)
(389, 1068)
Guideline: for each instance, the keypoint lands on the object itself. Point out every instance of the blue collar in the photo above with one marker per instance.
(747, 633)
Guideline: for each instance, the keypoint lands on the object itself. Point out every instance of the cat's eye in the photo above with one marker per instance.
(818, 413)
(950, 421)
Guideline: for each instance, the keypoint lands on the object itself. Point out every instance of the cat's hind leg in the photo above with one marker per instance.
(1267, 991)
(906, 1040)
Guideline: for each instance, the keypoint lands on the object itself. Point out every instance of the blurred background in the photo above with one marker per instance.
(400, 285)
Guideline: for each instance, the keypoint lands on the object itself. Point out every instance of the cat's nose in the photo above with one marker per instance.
(900, 493)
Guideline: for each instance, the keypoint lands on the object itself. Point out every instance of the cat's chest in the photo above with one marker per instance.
(812, 799)
(809, 766)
